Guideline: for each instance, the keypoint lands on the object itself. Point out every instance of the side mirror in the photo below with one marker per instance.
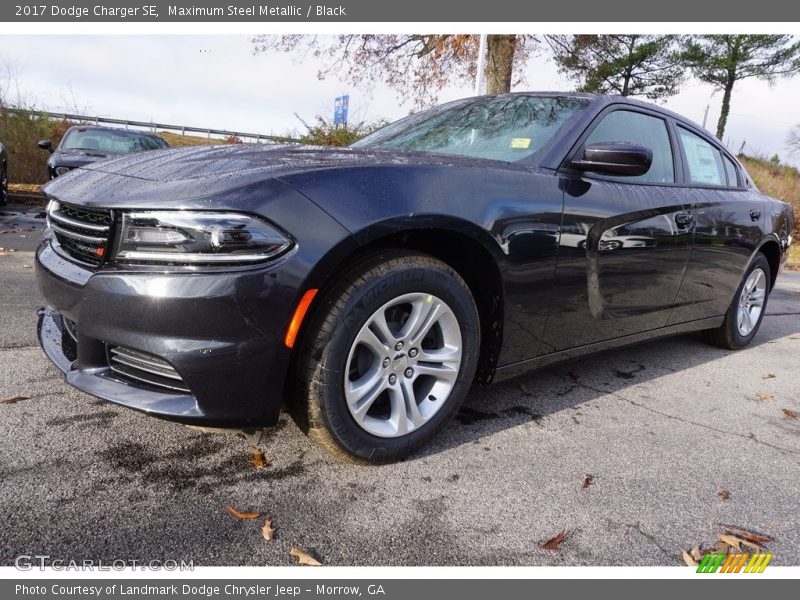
(614, 158)
(45, 145)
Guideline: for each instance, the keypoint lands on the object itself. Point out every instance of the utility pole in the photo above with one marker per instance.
(705, 116)
(481, 65)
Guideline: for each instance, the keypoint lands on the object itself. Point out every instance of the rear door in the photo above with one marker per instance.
(729, 215)
(625, 241)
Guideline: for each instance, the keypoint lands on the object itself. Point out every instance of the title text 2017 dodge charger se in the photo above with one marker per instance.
(368, 287)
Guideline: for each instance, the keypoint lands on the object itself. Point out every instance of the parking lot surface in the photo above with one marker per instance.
(636, 454)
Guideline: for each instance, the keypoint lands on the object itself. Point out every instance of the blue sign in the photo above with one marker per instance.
(340, 107)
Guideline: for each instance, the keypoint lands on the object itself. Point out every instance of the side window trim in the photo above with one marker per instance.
(677, 163)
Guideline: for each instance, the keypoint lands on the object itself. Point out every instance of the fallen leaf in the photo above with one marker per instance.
(26, 267)
(268, 531)
(259, 460)
(524, 389)
(722, 548)
(689, 559)
(755, 538)
(588, 480)
(764, 396)
(768, 376)
(304, 558)
(554, 542)
(731, 540)
(237, 514)
(13, 399)
(696, 554)
(794, 337)
(723, 495)
(790, 413)
(573, 376)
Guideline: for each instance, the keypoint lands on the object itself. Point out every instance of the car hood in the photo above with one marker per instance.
(201, 162)
(201, 172)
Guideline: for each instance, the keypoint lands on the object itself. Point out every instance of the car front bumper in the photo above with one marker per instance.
(222, 333)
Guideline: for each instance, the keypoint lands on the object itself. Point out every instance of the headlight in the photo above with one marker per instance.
(189, 237)
(62, 170)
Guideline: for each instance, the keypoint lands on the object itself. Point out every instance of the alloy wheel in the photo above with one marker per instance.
(402, 365)
(751, 301)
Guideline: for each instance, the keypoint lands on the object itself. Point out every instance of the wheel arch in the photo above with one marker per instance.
(771, 249)
(463, 246)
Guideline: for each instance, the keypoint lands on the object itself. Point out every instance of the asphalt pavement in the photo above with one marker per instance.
(636, 454)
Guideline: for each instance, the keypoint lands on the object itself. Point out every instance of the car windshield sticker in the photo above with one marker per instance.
(520, 142)
(702, 162)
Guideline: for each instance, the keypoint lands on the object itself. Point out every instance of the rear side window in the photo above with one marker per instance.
(703, 159)
(730, 171)
(644, 130)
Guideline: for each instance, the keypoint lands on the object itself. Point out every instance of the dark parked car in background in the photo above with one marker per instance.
(84, 144)
(3, 175)
(367, 288)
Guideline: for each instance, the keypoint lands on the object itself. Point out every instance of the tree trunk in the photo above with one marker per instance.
(726, 107)
(499, 63)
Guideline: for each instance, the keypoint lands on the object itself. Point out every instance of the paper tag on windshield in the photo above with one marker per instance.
(520, 142)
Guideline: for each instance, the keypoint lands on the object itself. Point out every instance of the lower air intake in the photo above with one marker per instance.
(135, 366)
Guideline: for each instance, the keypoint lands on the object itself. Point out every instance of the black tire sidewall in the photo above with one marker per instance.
(379, 290)
(739, 340)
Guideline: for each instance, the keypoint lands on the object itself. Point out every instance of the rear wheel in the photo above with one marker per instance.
(747, 308)
(388, 358)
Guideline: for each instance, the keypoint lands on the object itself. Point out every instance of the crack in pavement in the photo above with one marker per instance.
(750, 437)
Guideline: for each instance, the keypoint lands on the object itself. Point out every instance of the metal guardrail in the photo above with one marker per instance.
(183, 129)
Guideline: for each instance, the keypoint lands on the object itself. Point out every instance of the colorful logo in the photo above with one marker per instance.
(737, 562)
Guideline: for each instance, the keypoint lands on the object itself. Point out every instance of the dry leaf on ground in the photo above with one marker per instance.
(554, 542)
(688, 559)
(696, 553)
(573, 376)
(764, 396)
(790, 413)
(724, 495)
(237, 514)
(259, 460)
(731, 540)
(304, 558)
(768, 376)
(13, 399)
(588, 480)
(268, 531)
(755, 538)
(794, 337)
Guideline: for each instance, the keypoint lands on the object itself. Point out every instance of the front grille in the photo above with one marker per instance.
(141, 367)
(82, 234)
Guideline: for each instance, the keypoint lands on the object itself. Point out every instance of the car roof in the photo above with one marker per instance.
(600, 101)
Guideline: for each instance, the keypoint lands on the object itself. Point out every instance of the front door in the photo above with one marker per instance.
(624, 243)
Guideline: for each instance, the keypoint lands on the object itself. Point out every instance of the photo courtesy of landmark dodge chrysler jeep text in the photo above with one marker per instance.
(367, 288)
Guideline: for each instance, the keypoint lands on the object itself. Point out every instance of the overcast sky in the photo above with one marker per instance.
(215, 81)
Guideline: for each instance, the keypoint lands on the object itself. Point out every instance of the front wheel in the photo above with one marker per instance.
(747, 308)
(388, 357)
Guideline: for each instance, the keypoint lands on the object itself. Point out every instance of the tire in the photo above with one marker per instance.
(3, 185)
(730, 335)
(340, 351)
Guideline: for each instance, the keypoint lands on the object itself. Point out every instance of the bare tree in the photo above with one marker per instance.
(417, 66)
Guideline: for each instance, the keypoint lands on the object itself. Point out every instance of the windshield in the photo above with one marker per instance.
(507, 128)
(110, 141)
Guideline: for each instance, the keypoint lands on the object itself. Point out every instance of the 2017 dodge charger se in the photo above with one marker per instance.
(367, 288)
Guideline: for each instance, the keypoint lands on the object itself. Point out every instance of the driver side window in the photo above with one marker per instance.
(644, 130)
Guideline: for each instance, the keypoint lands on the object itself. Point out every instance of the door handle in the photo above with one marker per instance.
(684, 219)
(755, 214)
